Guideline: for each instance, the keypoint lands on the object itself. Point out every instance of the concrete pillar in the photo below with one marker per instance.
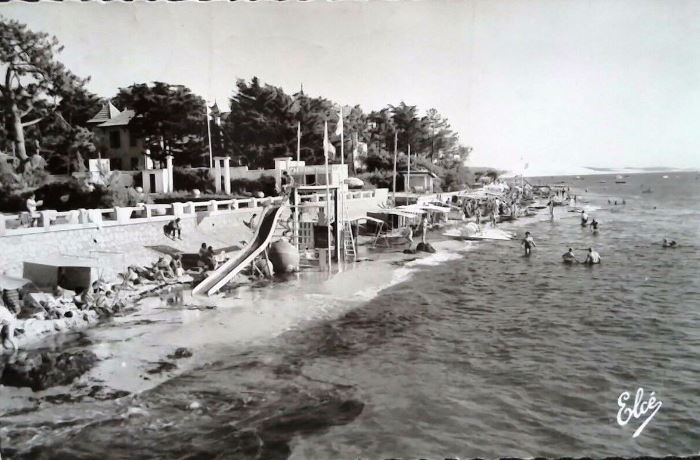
(45, 219)
(227, 175)
(211, 208)
(189, 208)
(169, 167)
(83, 218)
(178, 209)
(123, 215)
(217, 175)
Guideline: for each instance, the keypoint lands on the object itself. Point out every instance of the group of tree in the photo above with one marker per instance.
(44, 109)
(263, 123)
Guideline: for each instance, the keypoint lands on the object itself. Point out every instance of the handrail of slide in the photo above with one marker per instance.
(223, 274)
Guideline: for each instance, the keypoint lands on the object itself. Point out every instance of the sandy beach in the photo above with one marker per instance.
(134, 349)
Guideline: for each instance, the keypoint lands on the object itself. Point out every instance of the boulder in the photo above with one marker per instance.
(409, 251)
(427, 247)
(45, 370)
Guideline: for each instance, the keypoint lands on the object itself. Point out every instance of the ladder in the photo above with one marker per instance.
(348, 240)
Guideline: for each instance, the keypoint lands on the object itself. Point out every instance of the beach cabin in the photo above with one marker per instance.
(71, 273)
(419, 181)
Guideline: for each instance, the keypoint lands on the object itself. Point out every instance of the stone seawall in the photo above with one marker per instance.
(114, 247)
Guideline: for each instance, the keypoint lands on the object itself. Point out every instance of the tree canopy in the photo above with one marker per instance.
(35, 83)
(170, 118)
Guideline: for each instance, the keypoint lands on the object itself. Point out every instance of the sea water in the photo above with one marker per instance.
(478, 352)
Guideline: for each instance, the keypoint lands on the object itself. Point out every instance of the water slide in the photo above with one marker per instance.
(230, 268)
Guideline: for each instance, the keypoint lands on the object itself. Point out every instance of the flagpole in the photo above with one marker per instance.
(396, 146)
(211, 157)
(298, 142)
(342, 141)
(408, 185)
(328, 196)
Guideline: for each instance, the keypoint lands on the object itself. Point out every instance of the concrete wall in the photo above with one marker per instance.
(117, 246)
(124, 236)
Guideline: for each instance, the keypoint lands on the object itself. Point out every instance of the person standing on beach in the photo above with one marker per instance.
(528, 242)
(551, 209)
(477, 215)
(423, 228)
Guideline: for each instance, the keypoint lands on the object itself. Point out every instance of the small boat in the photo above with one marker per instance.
(664, 177)
(620, 182)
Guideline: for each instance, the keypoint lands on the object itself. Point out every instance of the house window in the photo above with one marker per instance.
(310, 179)
(114, 140)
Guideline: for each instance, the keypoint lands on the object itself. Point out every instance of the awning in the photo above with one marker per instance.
(434, 208)
(413, 209)
(397, 212)
(64, 261)
(10, 282)
(370, 219)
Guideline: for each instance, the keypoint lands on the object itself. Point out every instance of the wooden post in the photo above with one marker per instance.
(396, 146)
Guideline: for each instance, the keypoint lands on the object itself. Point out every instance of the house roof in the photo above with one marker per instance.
(107, 112)
(122, 119)
(418, 173)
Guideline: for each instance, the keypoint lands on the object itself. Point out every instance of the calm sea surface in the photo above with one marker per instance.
(490, 354)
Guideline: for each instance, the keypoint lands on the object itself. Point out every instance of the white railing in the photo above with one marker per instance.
(50, 220)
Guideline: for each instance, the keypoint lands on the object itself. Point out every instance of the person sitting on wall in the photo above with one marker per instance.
(32, 205)
(172, 228)
(251, 222)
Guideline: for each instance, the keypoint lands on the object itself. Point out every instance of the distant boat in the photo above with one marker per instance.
(620, 182)
(664, 177)
(619, 176)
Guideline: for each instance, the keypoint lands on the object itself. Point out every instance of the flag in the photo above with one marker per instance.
(339, 126)
(328, 149)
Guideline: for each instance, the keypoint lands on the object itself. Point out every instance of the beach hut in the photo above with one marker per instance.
(71, 273)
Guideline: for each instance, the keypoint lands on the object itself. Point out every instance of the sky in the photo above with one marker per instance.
(558, 84)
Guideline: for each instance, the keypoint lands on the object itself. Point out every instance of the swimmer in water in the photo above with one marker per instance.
(669, 244)
(594, 225)
(584, 219)
(528, 242)
(592, 258)
(568, 257)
